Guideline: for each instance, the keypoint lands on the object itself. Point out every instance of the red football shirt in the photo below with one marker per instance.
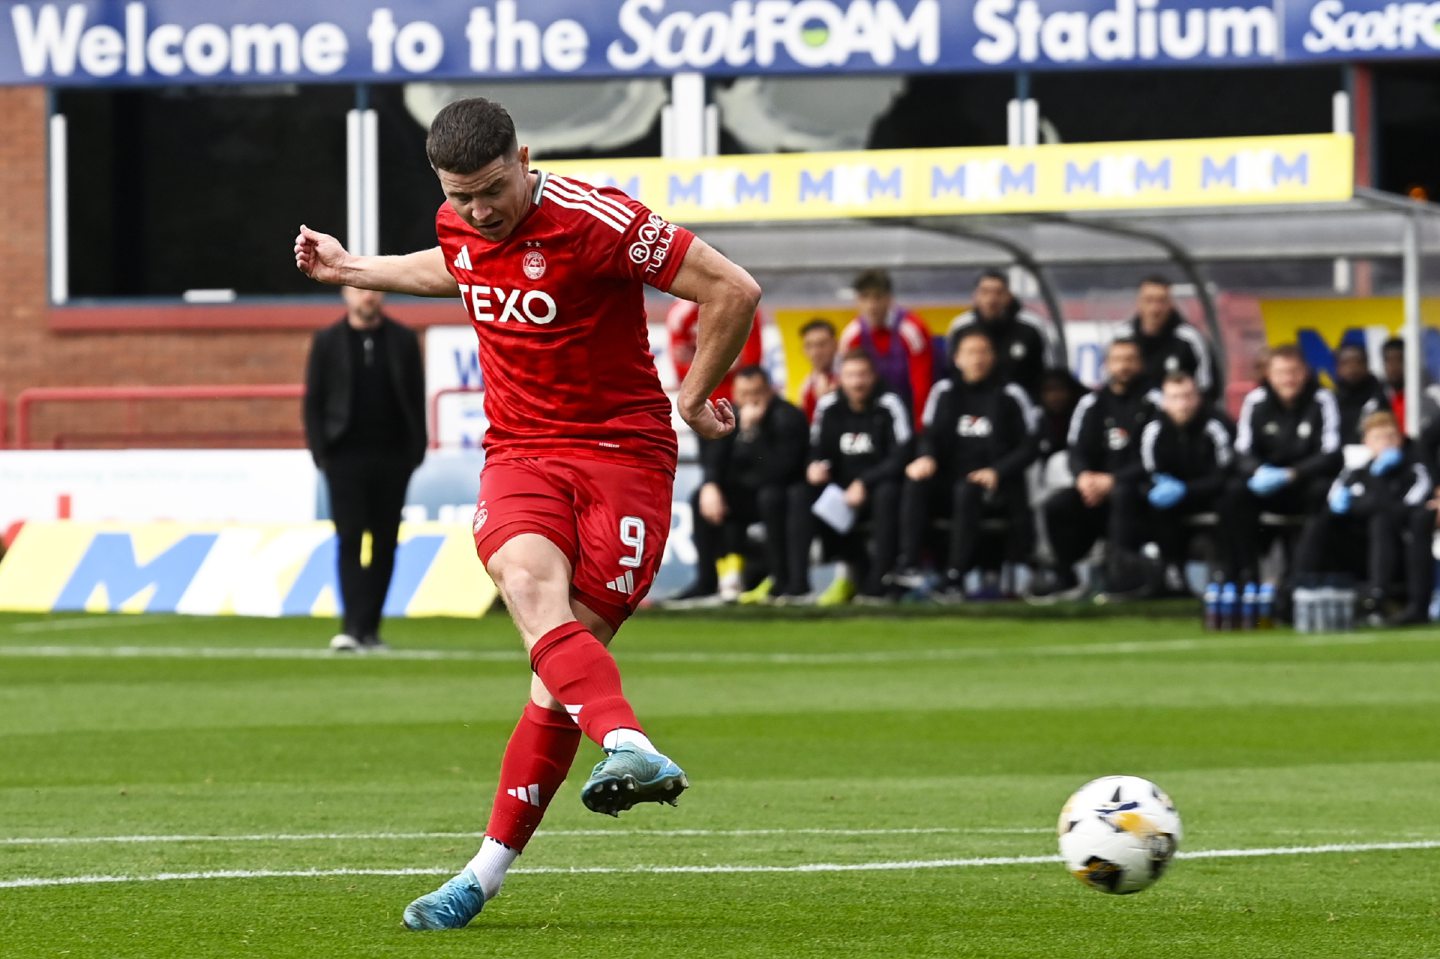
(683, 323)
(559, 309)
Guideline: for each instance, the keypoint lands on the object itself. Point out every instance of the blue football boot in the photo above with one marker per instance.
(452, 906)
(629, 775)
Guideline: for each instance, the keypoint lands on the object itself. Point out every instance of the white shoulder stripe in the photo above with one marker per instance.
(1244, 431)
(900, 414)
(1329, 421)
(575, 191)
(964, 319)
(1028, 410)
(821, 405)
(589, 208)
(1077, 419)
(933, 401)
(1147, 444)
(1419, 492)
(1221, 437)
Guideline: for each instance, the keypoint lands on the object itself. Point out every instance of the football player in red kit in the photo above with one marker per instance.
(575, 494)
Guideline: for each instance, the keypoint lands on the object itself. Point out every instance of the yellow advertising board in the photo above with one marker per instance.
(1148, 174)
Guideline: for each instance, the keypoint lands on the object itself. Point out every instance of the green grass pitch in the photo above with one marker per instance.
(860, 787)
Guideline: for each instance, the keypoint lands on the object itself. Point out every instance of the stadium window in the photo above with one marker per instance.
(189, 188)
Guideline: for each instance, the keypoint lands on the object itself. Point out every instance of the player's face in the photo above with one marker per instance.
(1350, 366)
(1122, 364)
(1394, 367)
(975, 358)
(857, 381)
(819, 346)
(1286, 377)
(874, 306)
(1378, 439)
(493, 198)
(1180, 401)
(1153, 305)
(992, 298)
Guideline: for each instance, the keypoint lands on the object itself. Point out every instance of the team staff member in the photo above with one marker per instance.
(1376, 517)
(1025, 344)
(1104, 454)
(897, 340)
(1287, 445)
(746, 479)
(860, 441)
(1185, 455)
(365, 427)
(817, 339)
(1167, 342)
(979, 435)
(1358, 392)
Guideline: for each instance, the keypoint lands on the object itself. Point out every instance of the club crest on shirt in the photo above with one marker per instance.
(1303, 431)
(1017, 351)
(1117, 437)
(533, 264)
(481, 515)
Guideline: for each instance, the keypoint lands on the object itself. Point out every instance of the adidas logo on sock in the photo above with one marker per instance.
(624, 583)
(530, 793)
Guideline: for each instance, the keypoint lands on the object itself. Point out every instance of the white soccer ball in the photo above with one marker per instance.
(1118, 834)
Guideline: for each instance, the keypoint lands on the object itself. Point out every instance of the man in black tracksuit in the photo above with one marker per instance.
(1103, 443)
(860, 441)
(979, 435)
(1185, 458)
(1377, 515)
(365, 427)
(1025, 344)
(1168, 344)
(1357, 391)
(1288, 450)
(746, 479)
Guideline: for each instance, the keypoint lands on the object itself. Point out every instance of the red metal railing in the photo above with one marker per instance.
(131, 396)
(435, 409)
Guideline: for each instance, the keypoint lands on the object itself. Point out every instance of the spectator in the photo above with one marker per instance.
(746, 476)
(1287, 443)
(682, 322)
(1167, 342)
(1025, 344)
(1378, 517)
(1358, 392)
(898, 341)
(365, 427)
(1103, 441)
(860, 442)
(979, 435)
(817, 338)
(1185, 455)
(1392, 355)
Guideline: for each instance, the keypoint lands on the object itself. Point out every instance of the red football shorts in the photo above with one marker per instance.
(609, 519)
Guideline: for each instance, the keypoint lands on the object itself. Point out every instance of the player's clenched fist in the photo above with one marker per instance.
(711, 421)
(319, 255)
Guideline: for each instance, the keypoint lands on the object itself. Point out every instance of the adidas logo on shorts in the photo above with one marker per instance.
(624, 583)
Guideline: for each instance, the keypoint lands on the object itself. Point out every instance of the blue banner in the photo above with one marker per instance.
(111, 42)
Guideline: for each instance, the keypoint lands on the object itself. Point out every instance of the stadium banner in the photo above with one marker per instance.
(229, 570)
(129, 42)
(1320, 326)
(1154, 174)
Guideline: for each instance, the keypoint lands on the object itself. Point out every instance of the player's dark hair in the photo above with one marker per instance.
(1155, 279)
(860, 356)
(1351, 348)
(1179, 378)
(819, 323)
(468, 134)
(969, 333)
(1288, 351)
(992, 274)
(746, 372)
(874, 281)
(1393, 345)
(1129, 341)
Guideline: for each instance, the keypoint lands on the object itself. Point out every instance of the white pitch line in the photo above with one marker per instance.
(587, 833)
(31, 882)
(1280, 639)
(74, 622)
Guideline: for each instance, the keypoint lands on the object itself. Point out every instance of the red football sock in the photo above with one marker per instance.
(580, 672)
(536, 760)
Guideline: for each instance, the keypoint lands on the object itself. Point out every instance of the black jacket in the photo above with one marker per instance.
(1105, 431)
(1358, 401)
(1304, 437)
(1405, 486)
(871, 445)
(773, 454)
(329, 389)
(970, 426)
(1025, 346)
(1177, 347)
(1198, 454)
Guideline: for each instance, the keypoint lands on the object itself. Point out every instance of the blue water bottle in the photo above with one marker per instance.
(1249, 600)
(1212, 606)
(1265, 606)
(1229, 598)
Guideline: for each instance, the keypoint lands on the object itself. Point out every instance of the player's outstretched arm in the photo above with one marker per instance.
(727, 297)
(324, 259)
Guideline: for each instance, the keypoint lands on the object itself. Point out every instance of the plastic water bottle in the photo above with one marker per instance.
(1249, 598)
(1327, 603)
(1212, 606)
(1228, 601)
(1347, 608)
(1304, 601)
(1265, 606)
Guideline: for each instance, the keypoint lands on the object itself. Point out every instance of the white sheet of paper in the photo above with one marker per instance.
(832, 508)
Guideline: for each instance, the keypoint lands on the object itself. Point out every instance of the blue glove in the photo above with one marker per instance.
(1268, 479)
(1166, 492)
(1386, 461)
(1339, 500)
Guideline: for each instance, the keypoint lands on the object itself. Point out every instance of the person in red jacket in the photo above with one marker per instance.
(683, 323)
(897, 340)
(817, 338)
